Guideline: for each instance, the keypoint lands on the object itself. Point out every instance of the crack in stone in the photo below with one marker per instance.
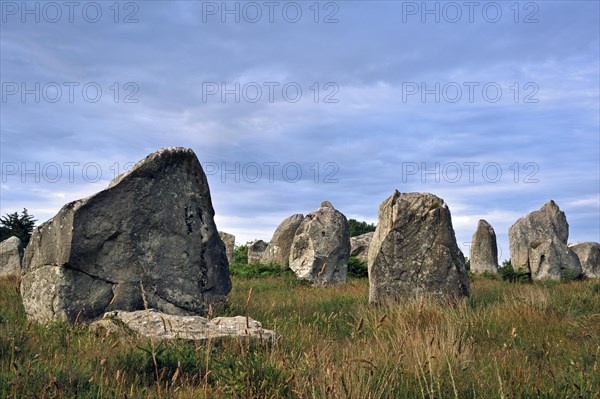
(68, 266)
(177, 306)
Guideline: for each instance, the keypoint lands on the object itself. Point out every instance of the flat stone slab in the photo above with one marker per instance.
(154, 324)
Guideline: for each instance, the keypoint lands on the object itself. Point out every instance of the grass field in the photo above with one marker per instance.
(537, 340)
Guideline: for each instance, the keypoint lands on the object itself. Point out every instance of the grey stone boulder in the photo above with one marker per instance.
(11, 256)
(321, 247)
(278, 250)
(414, 252)
(484, 249)
(150, 234)
(359, 246)
(538, 245)
(229, 242)
(256, 251)
(161, 326)
(589, 257)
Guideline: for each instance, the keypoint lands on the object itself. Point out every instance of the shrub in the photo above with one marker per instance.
(357, 268)
(257, 270)
(240, 254)
(508, 273)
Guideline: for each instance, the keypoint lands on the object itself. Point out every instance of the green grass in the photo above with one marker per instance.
(258, 270)
(539, 340)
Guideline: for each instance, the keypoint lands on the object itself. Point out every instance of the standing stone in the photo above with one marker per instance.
(414, 252)
(359, 246)
(321, 247)
(278, 250)
(229, 241)
(153, 227)
(589, 257)
(484, 249)
(538, 245)
(256, 251)
(11, 255)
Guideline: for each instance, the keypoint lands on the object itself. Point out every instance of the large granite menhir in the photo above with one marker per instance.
(153, 227)
(414, 253)
(538, 245)
(321, 247)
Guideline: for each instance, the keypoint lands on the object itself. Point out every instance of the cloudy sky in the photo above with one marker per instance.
(493, 106)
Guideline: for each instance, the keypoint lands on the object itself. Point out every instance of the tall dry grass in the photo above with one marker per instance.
(507, 341)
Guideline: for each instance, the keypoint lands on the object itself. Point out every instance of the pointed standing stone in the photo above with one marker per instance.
(152, 227)
(414, 252)
(321, 247)
(538, 245)
(484, 249)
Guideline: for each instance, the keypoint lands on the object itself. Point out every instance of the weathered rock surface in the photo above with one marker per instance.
(278, 250)
(538, 245)
(359, 246)
(152, 227)
(153, 324)
(11, 255)
(414, 252)
(256, 251)
(229, 241)
(321, 247)
(484, 249)
(589, 257)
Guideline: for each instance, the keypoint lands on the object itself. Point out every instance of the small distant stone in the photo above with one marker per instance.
(11, 256)
(229, 241)
(359, 246)
(256, 251)
(484, 249)
(278, 250)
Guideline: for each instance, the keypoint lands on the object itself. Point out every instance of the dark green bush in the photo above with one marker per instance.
(240, 254)
(356, 268)
(258, 270)
(508, 273)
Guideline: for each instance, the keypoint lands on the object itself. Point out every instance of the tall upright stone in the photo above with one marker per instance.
(278, 250)
(589, 257)
(256, 251)
(149, 237)
(11, 255)
(484, 249)
(414, 251)
(321, 247)
(538, 245)
(229, 241)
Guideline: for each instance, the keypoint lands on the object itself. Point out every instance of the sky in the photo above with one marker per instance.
(492, 106)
